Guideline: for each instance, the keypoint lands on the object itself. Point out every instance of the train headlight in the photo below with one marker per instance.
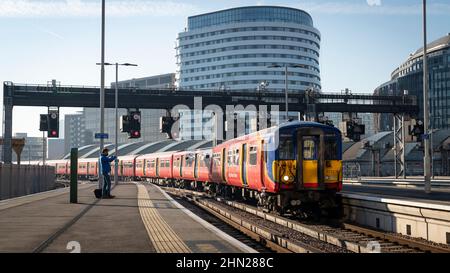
(286, 178)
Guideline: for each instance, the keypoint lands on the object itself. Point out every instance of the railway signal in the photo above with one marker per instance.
(165, 126)
(43, 123)
(134, 119)
(125, 124)
(131, 124)
(53, 124)
(418, 131)
(353, 130)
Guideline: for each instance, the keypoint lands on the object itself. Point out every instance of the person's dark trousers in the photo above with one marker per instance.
(106, 185)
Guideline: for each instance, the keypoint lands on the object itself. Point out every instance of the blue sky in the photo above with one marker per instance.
(362, 40)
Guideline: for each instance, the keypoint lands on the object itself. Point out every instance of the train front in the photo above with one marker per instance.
(306, 166)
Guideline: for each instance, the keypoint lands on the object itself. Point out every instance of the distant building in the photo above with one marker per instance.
(33, 149)
(149, 117)
(158, 81)
(409, 77)
(56, 148)
(234, 49)
(75, 133)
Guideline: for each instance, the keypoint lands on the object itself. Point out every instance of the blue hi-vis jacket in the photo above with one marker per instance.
(105, 162)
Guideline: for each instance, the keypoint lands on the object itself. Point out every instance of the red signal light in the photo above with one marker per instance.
(136, 133)
(54, 133)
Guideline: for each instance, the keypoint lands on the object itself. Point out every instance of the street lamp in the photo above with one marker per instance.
(116, 167)
(426, 113)
(286, 82)
(102, 94)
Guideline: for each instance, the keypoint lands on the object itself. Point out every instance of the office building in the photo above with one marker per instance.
(237, 49)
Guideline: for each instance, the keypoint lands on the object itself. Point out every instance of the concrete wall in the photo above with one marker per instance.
(427, 221)
(21, 180)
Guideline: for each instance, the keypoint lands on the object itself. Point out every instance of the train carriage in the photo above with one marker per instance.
(140, 168)
(92, 168)
(202, 168)
(126, 167)
(83, 167)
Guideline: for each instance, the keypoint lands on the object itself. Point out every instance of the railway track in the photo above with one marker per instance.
(344, 238)
(272, 235)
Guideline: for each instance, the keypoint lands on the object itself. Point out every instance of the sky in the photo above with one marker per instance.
(363, 41)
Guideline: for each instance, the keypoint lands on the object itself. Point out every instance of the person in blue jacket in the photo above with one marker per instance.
(105, 162)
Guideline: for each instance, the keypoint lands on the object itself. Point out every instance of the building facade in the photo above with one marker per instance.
(33, 149)
(239, 48)
(408, 77)
(75, 133)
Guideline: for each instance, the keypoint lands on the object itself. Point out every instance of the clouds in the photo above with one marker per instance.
(372, 7)
(374, 2)
(88, 8)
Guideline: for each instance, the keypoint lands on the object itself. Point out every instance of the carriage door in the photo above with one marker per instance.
(157, 167)
(310, 158)
(244, 165)
(223, 164)
(196, 165)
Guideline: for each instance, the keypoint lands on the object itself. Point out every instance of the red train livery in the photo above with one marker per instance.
(291, 167)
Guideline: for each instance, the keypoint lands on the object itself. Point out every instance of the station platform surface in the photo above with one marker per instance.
(437, 196)
(142, 218)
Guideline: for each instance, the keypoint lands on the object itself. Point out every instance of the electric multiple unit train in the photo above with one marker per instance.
(294, 167)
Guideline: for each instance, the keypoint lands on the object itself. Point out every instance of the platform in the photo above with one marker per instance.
(142, 218)
(437, 196)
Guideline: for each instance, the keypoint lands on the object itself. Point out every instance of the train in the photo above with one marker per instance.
(293, 168)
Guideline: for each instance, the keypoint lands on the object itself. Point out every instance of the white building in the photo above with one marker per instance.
(237, 49)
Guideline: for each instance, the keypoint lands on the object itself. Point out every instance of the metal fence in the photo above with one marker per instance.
(19, 180)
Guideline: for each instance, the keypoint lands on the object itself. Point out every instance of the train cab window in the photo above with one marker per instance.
(309, 149)
(252, 155)
(331, 148)
(286, 150)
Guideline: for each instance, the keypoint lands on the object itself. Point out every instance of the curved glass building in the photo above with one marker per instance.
(234, 49)
(409, 77)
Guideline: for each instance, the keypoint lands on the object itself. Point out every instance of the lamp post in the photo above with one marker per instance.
(426, 113)
(116, 145)
(286, 83)
(102, 93)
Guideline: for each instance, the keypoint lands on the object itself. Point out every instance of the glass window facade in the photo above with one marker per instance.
(250, 14)
(237, 49)
(409, 76)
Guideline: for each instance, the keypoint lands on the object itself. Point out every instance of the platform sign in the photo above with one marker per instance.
(101, 136)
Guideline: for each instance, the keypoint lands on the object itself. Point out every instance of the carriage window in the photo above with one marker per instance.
(189, 161)
(207, 161)
(161, 164)
(216, 160)
(331, 151)
(236, 157)
(286, 150)
(309, 149)
(253, 155)
(230, 158)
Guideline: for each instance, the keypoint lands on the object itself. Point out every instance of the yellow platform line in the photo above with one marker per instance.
(164, 239)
